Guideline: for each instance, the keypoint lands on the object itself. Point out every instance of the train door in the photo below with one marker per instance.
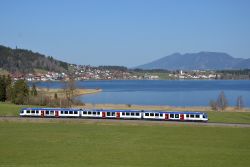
(118, 115)
(182, 117)
(56, 114)
(42, 113)
(166, 117)
(103, 114)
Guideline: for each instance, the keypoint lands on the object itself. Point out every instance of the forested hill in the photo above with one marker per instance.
(21, 60)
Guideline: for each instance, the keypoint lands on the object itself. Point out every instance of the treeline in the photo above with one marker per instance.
(21, 60)
(118, 68)
(153, 70)
(234, 74)
(17, 92)
(20, 93)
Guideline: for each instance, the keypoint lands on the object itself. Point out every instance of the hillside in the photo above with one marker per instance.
(21, 60)
(198, 61)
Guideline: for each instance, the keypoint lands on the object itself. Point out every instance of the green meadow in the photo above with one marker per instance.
(118, 145)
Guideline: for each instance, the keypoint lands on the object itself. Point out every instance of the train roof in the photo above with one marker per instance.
(61, 109)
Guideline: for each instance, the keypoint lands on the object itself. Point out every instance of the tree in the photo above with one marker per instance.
(9, 92)
(20, 92)
(55, 96)
(70, 90)
(222, 101)
(33, 91)
(239, 103)
(2, 89)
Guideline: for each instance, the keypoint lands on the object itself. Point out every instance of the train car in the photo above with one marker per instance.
(111, 114)
(50, 112)
(31, 112)
(121, 114)
(175, 116)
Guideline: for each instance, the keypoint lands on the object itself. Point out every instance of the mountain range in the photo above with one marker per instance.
(198, 61)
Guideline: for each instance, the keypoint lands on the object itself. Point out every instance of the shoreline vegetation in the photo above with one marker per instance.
(158, 107)
(61, 92)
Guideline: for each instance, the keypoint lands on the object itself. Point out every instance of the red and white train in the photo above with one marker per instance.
(114, 114)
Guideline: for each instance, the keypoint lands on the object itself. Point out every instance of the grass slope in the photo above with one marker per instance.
(8, 109)
(96, 145)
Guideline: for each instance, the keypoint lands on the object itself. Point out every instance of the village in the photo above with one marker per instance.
(82, 72)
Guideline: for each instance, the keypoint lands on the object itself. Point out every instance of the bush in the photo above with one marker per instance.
(213, 105)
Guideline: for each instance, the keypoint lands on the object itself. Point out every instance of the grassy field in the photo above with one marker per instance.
(7, 109)
(229, 117)
(115, 145)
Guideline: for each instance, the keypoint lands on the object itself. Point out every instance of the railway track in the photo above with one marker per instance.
(133, 122)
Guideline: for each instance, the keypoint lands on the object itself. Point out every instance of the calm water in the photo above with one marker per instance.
(163, 92)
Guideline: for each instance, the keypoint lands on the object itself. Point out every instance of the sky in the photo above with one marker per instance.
(125, 32)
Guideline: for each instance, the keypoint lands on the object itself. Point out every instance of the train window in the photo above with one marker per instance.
(84, 112)
(62, 112)
(89, 113)
(37, 111)
(137, 114)
(47, 112)
(132, 114)
(113, 113)
(33, 111)
(28, 111)
(147, 114)
(98, 113)
(22, 111)
(171, 115)
(75, 112)
(66, 112)
(192, 116)
(197, 116)
(94, 113)
(157, 114)
(123, 113)
(187, 115)
(127, 114)
(176, 115)
(151, 114)
(108, 114)
(51, 112)
(161, 115)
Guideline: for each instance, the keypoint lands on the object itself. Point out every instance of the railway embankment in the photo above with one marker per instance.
(228, 116)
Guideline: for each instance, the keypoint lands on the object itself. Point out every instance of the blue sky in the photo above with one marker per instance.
(125, 32)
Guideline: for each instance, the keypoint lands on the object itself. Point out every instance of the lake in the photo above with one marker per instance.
(162, 92)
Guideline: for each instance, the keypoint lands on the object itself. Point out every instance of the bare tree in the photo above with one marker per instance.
(70, 90)
(222, 101)
(239, 103)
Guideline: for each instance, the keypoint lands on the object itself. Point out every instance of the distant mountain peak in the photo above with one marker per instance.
(203, 60)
